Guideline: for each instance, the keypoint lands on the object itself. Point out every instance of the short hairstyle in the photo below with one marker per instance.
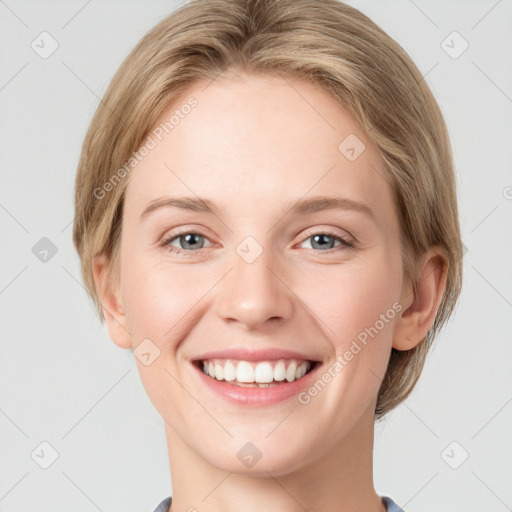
(325, 42)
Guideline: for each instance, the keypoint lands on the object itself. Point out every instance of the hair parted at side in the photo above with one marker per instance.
(325, 42)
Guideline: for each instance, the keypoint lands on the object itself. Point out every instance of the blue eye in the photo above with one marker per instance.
(326, 240)
(191, 242)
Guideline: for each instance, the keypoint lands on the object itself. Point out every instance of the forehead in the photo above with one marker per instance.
(258, 139)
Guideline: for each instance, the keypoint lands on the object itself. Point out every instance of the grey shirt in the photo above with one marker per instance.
(390, 504)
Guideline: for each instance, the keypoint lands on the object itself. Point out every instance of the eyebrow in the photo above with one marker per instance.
(301, 207)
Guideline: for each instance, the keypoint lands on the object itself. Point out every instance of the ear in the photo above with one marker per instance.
(421, 304)
(108, 292)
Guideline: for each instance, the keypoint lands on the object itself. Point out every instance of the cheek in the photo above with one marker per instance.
(351, 298)
(162, 301)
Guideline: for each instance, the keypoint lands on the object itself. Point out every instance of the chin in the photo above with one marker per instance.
(257, 460)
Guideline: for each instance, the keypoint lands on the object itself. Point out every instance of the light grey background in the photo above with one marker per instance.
(64, 382)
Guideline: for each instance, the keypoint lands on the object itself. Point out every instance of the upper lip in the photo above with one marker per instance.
(245, 354)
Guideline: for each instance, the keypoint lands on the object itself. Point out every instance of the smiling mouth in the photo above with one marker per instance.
(263, 374)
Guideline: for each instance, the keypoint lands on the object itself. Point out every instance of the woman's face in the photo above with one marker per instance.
(257, 273)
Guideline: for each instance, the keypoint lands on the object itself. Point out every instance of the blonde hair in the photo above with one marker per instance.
(325, 42)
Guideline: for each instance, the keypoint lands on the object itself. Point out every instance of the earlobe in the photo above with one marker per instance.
(422, 303)
(111, 303)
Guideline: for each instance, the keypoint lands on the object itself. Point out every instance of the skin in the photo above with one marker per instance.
(253, 145)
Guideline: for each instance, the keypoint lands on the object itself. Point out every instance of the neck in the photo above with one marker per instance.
(337, 480)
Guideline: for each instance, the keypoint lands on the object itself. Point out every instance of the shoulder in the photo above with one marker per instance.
(390, 504)
(164, 505)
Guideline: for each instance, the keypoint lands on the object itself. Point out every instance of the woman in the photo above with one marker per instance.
(296, 144)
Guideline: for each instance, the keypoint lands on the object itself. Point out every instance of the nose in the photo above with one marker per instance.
(254, 293)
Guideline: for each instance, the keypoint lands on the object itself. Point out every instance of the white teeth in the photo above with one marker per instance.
(264, 372)
(301, 370)
(244, 372)
(291, 371)
(279, 371)
(229, 371)
(219, 371)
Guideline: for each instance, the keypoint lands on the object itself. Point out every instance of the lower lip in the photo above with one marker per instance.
(256, 395)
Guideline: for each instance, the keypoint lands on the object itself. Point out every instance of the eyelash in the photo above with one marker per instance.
(345, 242)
